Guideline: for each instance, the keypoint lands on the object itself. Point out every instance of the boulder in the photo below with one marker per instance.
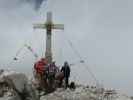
(20, 84)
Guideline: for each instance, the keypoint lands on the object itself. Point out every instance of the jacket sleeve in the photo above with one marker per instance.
(69, 69)
(62, 69)
(35, 66)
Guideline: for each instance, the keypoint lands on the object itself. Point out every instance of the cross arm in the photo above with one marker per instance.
(39, 26)
(58, 26)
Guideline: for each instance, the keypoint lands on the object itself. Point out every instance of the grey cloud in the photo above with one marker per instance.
(13, 4)
(36, 3)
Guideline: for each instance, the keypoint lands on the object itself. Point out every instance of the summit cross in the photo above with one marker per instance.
(49, 25)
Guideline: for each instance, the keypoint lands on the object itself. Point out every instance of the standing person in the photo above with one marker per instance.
(66, 71)
(52, 70)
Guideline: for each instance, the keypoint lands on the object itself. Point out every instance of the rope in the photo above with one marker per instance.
(43, 46)
(76, 77)
(81, 60)
(18, 52)
(29, 48)
(16, 56)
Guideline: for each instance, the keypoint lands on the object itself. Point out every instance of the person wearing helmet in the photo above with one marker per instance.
(66, 71)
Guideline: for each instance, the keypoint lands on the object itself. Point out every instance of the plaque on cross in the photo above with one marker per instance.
(49, 25)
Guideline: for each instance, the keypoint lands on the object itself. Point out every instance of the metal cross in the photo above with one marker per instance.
(48, 25)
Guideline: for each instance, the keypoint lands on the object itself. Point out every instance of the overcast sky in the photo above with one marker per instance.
(101, 31)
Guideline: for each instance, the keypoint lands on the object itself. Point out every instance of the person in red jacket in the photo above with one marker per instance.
(40, 68)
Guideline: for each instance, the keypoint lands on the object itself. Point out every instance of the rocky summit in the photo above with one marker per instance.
(82, 93)
(16, 86)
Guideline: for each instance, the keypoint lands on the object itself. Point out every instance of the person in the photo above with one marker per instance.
(52, 70)
(40, 66)
(40, 71)
(66, 71)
